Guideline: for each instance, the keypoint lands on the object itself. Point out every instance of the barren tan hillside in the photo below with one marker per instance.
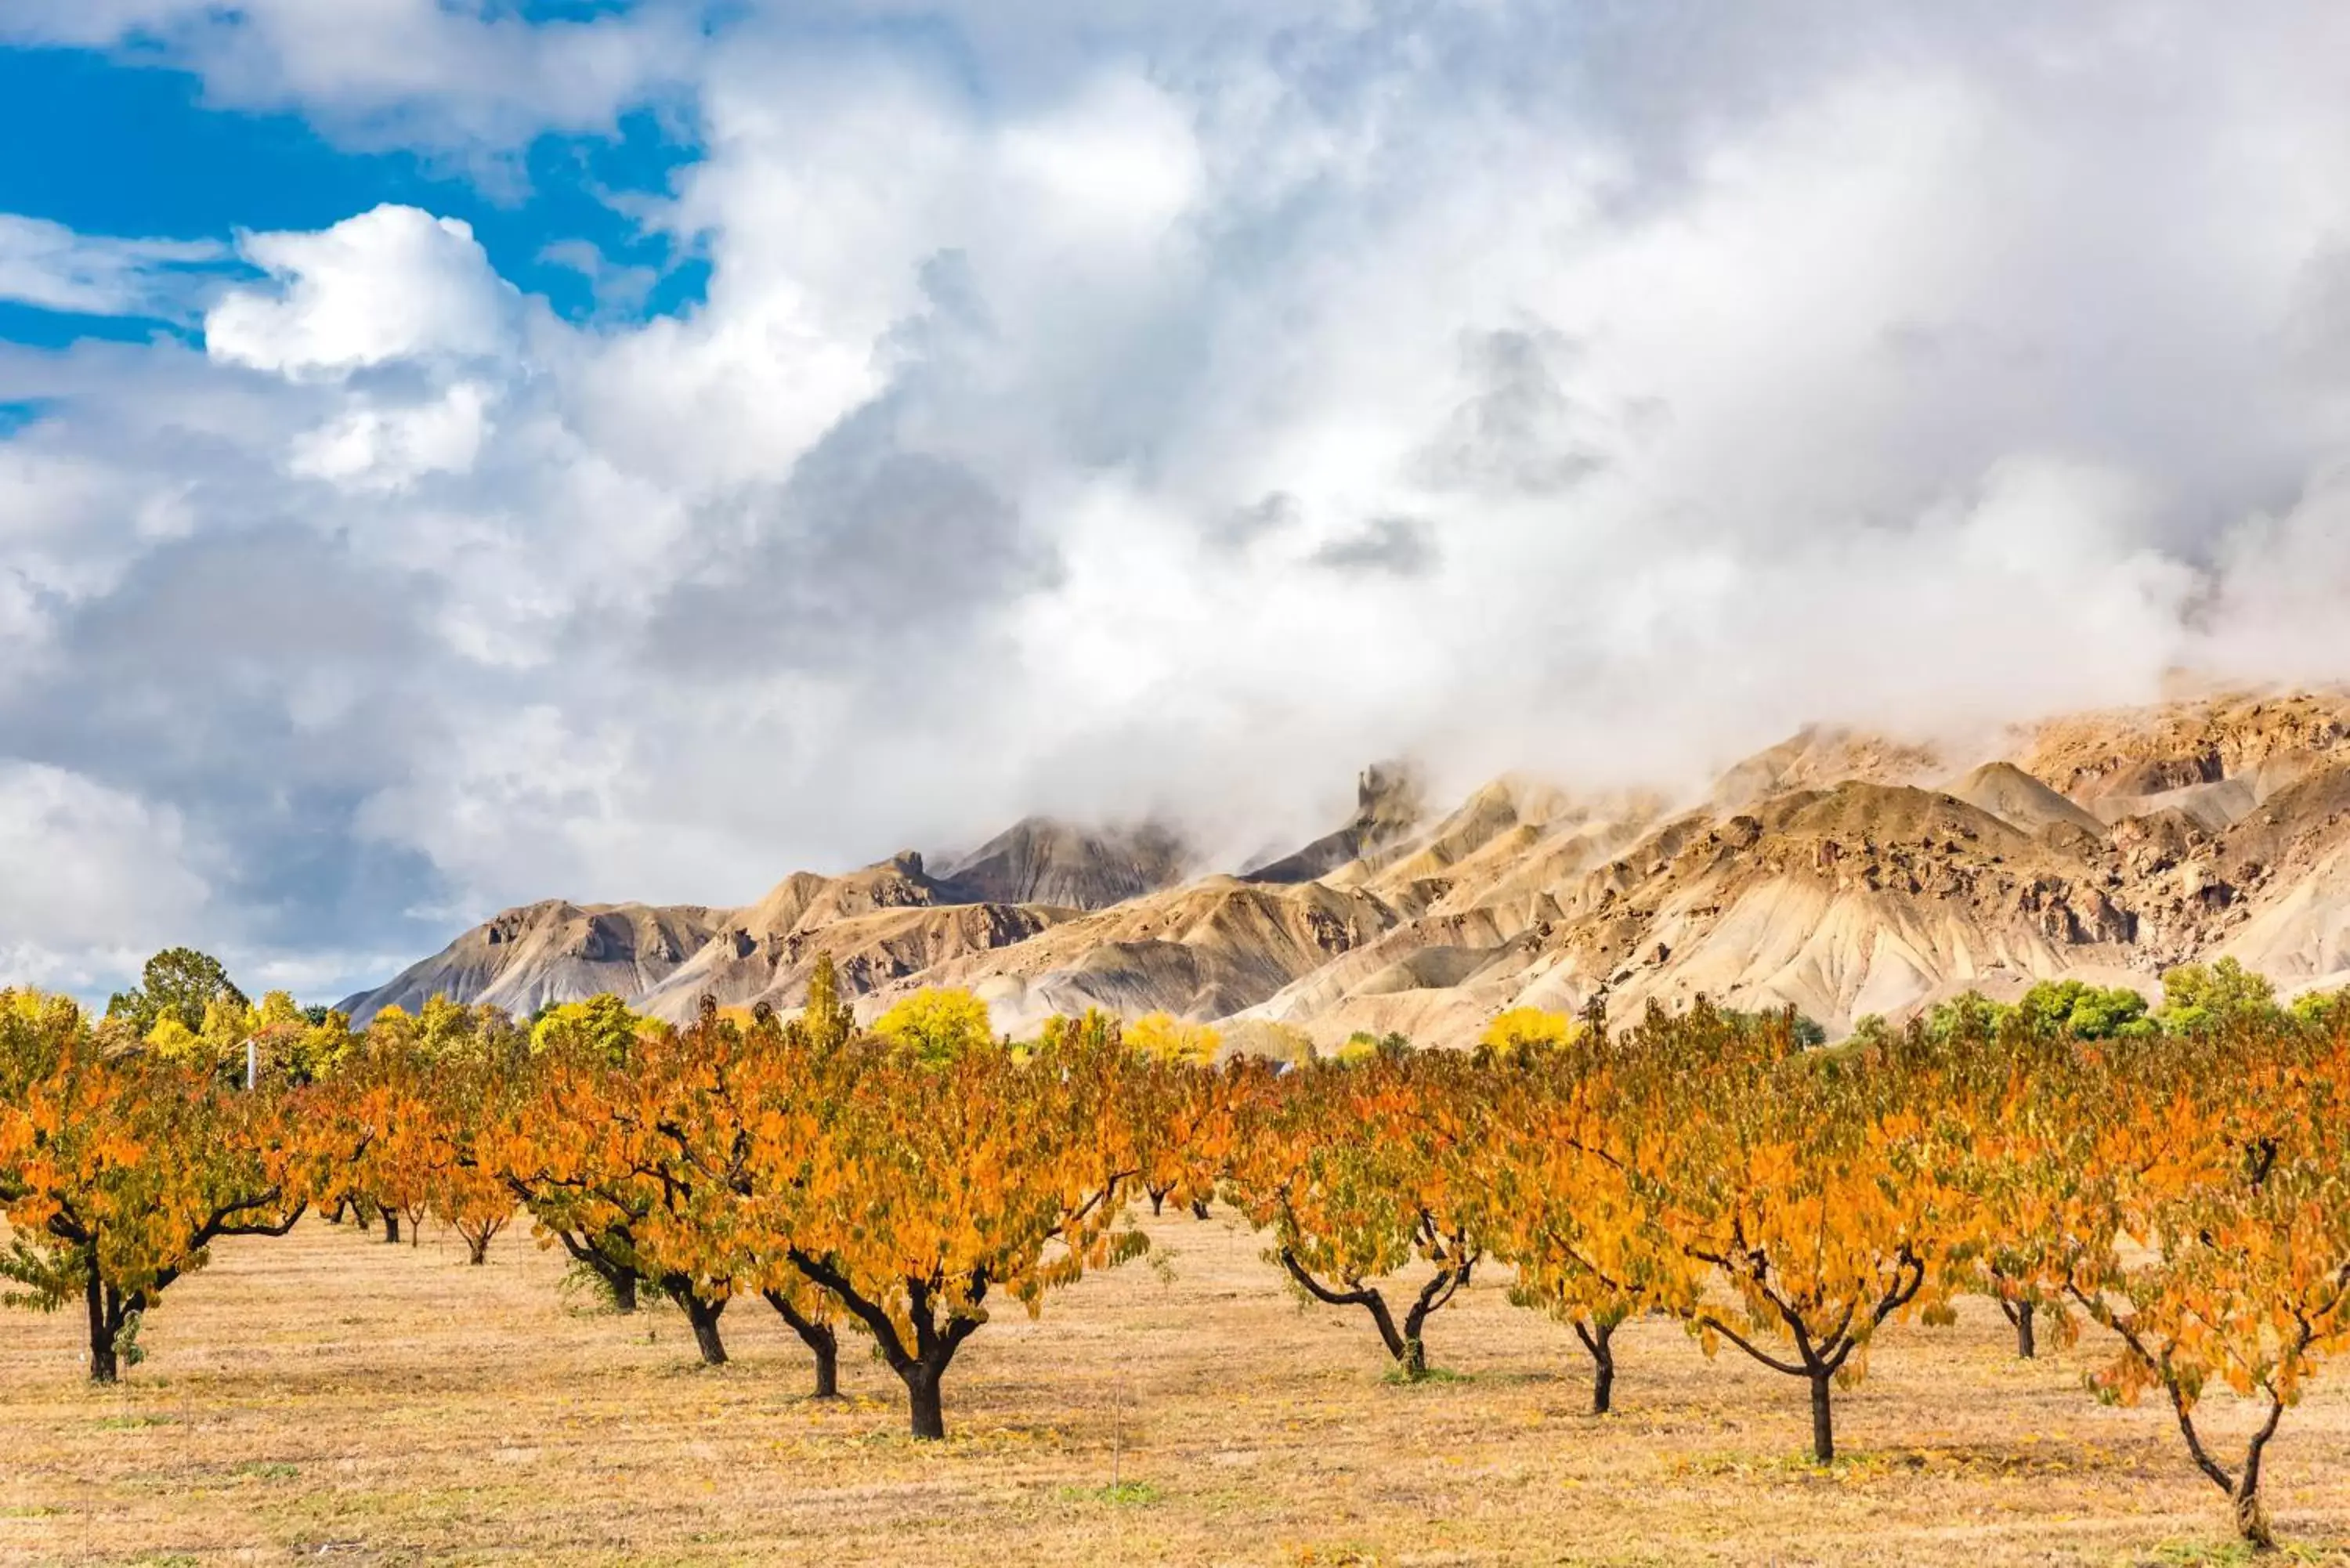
(1843, 873)
(552, 951)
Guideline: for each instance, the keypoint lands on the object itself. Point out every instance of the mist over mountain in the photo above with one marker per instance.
(1836, 872)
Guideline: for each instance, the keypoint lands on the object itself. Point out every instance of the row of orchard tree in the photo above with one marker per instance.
(2182, 1190)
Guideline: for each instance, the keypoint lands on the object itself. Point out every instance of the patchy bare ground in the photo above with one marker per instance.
(330, 1396)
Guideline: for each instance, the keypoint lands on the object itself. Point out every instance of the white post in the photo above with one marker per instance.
(252, 1064)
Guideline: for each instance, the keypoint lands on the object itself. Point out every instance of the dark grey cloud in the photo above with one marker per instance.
(876, 559)
(871, 560)
(265, 685)
(1386, 546)
(1274, 512)
(1518, 430)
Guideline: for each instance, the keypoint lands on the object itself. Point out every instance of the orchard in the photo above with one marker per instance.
(2170, 1190)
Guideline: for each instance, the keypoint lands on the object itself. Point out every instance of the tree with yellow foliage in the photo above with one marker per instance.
(600, 1027)
(1816, 1185)
(1163, 1037)
(125, 1169)
(1179, 1118)
(1566, 1206)
(593, 1150)
(826, 1021)
(1362, 1170)
(1522, 1029)
(937, 1023)
(913, 1187)
(711, 1221)
(2213, 1228)
(470, 1080)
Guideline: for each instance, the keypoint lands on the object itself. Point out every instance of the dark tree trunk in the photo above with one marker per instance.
(104, 1314)
(391, 1227)
(477, 1249)
(925, 1377)
(704, 1316)
(619, 1277)
(938, 1334)
(827, 1370)
(2027, 1340)
(1199, 1209)
(822, 1342)
(1818, 1357)
(2251, 1515)
(922, 1400)
(1598, 1340)
(1432, 1297)
(1398, 1345)
(1405, 1345)
(1158, 1201)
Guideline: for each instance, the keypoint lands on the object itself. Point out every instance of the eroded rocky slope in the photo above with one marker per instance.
(1844, 873)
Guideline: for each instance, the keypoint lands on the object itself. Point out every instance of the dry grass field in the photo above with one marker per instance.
(327, 1397)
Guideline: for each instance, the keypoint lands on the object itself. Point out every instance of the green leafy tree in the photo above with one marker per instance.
(828, 1022)
(1803, 1030)
(2083, 1011)
(2322, 1008)
(178, 983)
(2196, 997)
(1969, 1015)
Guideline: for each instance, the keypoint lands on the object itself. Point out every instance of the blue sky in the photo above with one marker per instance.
(109, 145)
(456, 453)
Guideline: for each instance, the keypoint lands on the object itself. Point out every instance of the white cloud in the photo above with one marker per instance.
(94, 878)
(1664, 394)
(389, 449)
(49, 265)
(468, 75)
(392, 284)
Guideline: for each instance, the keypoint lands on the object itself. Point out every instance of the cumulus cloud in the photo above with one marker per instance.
(1128, 408)
(390, 449)
(391, 284)
(94, 875)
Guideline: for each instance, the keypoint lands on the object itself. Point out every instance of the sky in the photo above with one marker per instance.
(458, 452)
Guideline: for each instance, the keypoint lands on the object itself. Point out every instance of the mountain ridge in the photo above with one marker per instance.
(1840, 872)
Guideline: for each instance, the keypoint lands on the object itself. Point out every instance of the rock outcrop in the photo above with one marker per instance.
(1387, 807)
(1043, 861)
